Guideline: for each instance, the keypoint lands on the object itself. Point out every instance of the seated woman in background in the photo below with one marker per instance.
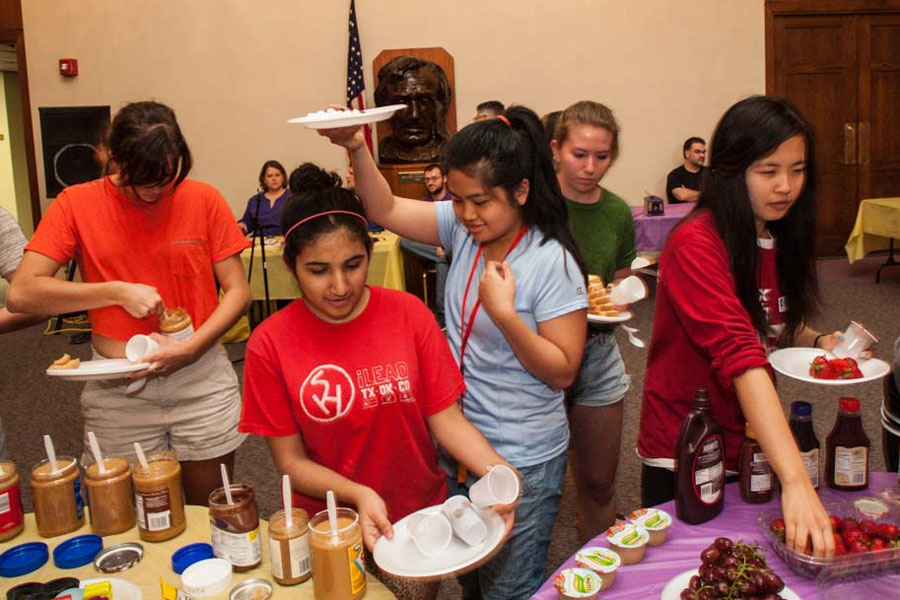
(265, 206)
(352, 404)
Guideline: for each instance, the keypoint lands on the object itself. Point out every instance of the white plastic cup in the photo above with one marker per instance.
(499, 486)
(464, 521)
(630, 290)
(856, 340)
(431, 533)
(139, 346)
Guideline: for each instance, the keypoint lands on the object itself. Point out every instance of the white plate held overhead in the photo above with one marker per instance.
(794, 362)
(107, 368)
(620, 318)
(333, 118)
(401, 558)
(672, 591)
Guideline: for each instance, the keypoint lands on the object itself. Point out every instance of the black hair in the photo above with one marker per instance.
(690, 142)
(433, 166)
(309, 176)
(147, 146)
(492, 106)
(316, 198)
(275, 165)
(748, 131)
(549, 121)
(501, 155)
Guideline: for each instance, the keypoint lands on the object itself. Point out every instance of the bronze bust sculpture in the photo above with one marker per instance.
(419, 132)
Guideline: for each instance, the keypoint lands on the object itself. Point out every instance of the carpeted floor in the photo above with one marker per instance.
(32, 404)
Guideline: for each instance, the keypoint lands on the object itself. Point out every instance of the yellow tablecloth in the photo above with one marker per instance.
(157, 561)
(385, 268)
(877, 222)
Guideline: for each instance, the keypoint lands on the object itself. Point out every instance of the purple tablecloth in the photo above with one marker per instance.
(646, 579)
(650, 233)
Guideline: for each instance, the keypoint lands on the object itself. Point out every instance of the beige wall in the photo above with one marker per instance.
(235, 70)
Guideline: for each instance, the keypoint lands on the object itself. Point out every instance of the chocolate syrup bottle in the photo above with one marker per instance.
(756, 481)
(847, 449)
(700, 470)
(805, 436)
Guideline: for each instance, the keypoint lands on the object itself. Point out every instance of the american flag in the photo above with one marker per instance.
(356, 81)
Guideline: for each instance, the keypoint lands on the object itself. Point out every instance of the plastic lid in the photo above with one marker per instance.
(188, 555)
(252, 589)
(801, 409)
(849, 404)
(120, 557)
(23, 559)
(206, 577)
(77, 551)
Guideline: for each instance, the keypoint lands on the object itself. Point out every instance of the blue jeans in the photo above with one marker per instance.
(517, 571)
(441, 268)
(602, 379)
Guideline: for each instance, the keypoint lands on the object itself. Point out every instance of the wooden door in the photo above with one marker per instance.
(815, 67)
(879, 106)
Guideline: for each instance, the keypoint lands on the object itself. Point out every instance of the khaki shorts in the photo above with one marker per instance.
(194, 411)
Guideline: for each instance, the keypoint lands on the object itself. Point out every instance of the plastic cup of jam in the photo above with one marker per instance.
(110, 496)
(577, 584)
(655, 521)
(337, 558)
(58, 506)
(289, 547)
(12, 517)
(158, 498)
(235, 527)
(602, 561)
(629, 541)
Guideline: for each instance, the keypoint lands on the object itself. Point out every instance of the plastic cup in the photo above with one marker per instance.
(139, 346)
(464, 521)
(630, 290)
(856, 339)
(499, 486)
(431, 533)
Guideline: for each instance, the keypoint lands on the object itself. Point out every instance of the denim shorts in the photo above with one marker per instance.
(517, 571)
(602, 379)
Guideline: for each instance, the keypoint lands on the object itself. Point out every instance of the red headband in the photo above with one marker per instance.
(322, 214)
(505, 120)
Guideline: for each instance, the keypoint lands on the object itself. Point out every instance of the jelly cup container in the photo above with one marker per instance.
(848, 566)
(655, 521)
(629, 541)
(577, 584)
(602, 561)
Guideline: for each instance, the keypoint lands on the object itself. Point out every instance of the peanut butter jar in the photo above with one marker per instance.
(58, 507)
(110, 497)
(339, 570)
(12, 518)
(158, 498)
(289, 547)
(235, 527)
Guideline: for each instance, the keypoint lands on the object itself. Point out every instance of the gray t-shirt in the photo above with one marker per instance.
(12, 244)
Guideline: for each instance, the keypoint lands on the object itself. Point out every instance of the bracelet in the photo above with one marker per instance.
(816, 341)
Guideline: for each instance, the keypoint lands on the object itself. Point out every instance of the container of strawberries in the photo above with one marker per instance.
(866, 542)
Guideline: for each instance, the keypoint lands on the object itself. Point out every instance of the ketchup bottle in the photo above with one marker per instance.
(755, 471)
(805, 436)
(847, 449)
(700, 470)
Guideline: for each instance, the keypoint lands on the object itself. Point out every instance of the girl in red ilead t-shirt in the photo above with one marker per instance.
(736, 276)
(350, 382)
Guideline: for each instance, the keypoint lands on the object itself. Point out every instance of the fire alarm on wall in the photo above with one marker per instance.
(68, 67)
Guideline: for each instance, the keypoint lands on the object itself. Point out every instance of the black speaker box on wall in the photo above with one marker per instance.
(70, 136)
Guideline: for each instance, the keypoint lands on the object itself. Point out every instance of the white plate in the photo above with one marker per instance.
(672, 591)
(621, 318)
(121, 589)
(106, 368)
(794, 362)
(401, 558)
(348, 118)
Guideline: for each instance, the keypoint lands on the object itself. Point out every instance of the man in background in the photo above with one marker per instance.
(683, 183)
(488, 110)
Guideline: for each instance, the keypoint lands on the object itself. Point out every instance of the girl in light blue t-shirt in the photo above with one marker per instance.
(515, 306)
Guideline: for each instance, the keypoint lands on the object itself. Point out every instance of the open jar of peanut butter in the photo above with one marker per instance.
(12, 518)
(289, 547)
(235, 527)
(158, 498)
(338, 562)
(110, 496)
(56, 493)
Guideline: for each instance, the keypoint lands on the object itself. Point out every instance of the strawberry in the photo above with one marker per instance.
(777, 527)
(818, 366)
(869, 527)
(858, 548)
(851, 536)
(835, 522)
(839, 549)
(848, 524)
(888, 531)
(838, 540)
(878, 544)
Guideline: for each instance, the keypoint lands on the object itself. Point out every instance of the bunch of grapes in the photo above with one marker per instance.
(733, 571)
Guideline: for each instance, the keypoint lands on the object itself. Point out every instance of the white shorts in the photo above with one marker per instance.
(194, 411)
